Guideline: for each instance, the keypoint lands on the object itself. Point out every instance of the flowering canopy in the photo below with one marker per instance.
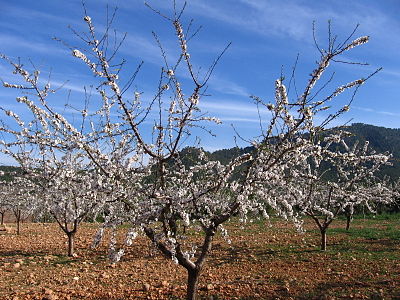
(143, 178)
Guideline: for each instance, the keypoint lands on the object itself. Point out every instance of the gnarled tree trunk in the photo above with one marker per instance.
(192, 284)
(348, 221)
(71, 243)
(193, 268)
(18, 217)
(323, 239)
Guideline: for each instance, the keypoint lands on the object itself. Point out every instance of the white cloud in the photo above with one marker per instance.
(391, 72)
(229, 107)
(374, 111)
(262, 17)
(237, 120)
(228, 87)
(38, 15)
(69, 86)
(293, 19)
(140, 47)
(15, 44)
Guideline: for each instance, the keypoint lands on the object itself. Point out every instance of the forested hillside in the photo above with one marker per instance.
(381, 139)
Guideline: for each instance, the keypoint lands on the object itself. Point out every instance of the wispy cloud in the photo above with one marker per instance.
(391, 72)
(140, 47)
(292, 18)
(12, 43)
(237, 120)
(69, 86)
(374, 111)
(38, 15)
(146, 49)
(261, 17)
(229, 107)
(228, 87)
(230, 111)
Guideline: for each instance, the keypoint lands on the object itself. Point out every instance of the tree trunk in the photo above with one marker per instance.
(194, 273)
(71, 243)
(349, 218)
(2, 218)
(192, 284)
(18, 217)
(323, 239)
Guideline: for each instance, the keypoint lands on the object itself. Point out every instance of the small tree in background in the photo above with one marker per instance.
(4, 205)
(372, 194)
(61, 183)
(20, 198)
(69, 191)
(336, 180)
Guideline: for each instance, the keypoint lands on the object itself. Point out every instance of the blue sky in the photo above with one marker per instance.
(266, 36)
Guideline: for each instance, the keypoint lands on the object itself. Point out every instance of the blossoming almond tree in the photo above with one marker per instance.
(4, 205)
(336, 178)
(61, 181)
(20, 198)
(373, 192)
(69, 191)
(149, 185)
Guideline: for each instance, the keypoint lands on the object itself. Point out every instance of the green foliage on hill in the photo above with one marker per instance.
(380, 139)
(225, 155)
(8, 172)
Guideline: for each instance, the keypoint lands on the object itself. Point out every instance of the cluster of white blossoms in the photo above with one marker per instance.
(212, 119)
(357, 42)
(317, 73)
(80, 55)
(194, 99)
(182, 40)
(15, 86)
(281, 93)
(170, 73)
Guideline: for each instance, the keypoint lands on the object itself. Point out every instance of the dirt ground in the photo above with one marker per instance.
(264, 261)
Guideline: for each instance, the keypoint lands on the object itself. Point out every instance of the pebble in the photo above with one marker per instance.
(164, 283)
(146, 287)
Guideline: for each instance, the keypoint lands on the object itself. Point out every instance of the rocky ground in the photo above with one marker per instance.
(262, 262)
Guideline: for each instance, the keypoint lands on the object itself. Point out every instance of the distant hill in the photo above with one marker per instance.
(380, 139)
(8, 171)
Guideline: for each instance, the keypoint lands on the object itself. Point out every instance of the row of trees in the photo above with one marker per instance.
(104, 159)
